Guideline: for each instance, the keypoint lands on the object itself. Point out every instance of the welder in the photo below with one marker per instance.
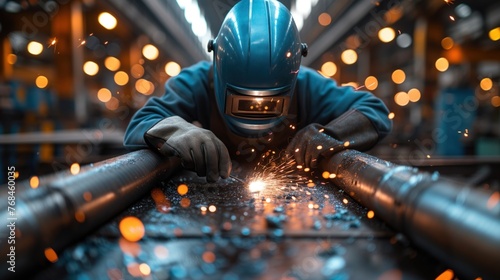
(253, 97)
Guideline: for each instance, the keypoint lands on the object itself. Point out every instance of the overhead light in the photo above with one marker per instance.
(371, 83)
(112, 63)
(172, 69)
(196, 19)
(398, 76)
(35, 48)
(494, 34)
(414, 95)
(324, 19)
(349, 56)
(401, 98)
(107, 20)
(329, 68)
(442, 64)
(150, 52)
(301, 10)
(386, 34)
(90, 68)
(121, 78)
(104, 95)
(486, 84)
(41, 81)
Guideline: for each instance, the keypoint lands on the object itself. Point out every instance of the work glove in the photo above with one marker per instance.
(352, 130)
(199, 149)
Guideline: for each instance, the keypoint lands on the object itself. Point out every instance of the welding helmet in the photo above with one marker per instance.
(257, 55)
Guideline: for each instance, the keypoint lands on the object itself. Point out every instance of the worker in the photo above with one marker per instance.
(254, 97)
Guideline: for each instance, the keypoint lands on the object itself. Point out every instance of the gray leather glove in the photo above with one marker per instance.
(352, 130)
(199, 149)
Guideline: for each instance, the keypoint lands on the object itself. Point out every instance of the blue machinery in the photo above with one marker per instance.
(456, 223)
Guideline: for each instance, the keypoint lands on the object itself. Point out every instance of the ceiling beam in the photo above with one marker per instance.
(333, 34)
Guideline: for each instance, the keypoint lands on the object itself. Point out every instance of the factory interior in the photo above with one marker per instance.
(74, 72)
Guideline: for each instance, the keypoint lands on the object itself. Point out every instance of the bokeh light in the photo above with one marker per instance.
(371, 83)
(121, 78)
(150, 52)
(404, 40)
(131, 228)
(104, 95)
(172, 69)
(446, 275)
(137, 71)
(35, 48)
(50, 255)
(324, 19)
(11, 59)
(494, 34)
(90, 68)
(112, 104)
(447, 43)
(107, 20)
(486, 84)
(370, 214)
(398, 76)
(74, 168)
(144, 86)
(401, 98)
(495, 101)
(442, 64)
(34, 182)
(41, 81)
(329, 68)
(386, 34)
(349, 56)
(414, 95)
(112, 63)
(182, 189)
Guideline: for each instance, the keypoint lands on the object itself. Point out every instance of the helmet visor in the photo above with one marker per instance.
(257, 104)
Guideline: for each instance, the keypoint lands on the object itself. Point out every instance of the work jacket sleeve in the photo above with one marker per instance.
(321, 100)
(186, 96)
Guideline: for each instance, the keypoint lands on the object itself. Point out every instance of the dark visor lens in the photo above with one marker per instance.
(259, 106)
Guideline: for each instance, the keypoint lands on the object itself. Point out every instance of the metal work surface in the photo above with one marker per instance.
(304, 229)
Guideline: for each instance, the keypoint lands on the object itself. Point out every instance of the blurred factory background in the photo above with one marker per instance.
(73, 72)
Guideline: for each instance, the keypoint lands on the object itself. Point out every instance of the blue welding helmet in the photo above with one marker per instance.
(257, 55)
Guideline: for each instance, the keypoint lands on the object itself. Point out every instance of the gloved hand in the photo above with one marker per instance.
(199, 149)
(351, 130)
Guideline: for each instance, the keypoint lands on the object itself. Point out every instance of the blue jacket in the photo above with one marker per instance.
(319, 100)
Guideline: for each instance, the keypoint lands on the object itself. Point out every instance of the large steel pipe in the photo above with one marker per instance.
(457, 223)
(66, 207)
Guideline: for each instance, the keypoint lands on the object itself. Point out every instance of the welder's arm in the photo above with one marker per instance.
(352, 130)
(199, 149)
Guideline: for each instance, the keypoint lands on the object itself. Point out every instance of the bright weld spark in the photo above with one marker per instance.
(53, 42)
(272, 173)
(452, 18)
(359, 87)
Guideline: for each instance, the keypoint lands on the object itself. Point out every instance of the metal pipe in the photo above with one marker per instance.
(457, 223)
(67, 207)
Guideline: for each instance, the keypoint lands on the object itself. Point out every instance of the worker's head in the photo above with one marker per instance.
(257, 55)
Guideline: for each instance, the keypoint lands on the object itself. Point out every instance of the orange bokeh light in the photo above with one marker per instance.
(132, 229)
